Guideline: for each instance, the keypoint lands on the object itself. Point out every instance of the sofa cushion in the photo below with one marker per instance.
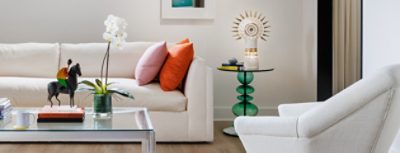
(176, 66)
(29, 59)
(90, 55)
(150, 96)
(150, 63)
(23, 89)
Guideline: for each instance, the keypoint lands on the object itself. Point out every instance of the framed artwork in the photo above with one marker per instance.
(182, 3)
(187, 9)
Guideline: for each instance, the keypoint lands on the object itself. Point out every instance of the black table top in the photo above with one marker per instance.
(243, 70)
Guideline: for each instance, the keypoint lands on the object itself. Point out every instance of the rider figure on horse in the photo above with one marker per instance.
(67, 83)
(62, 75)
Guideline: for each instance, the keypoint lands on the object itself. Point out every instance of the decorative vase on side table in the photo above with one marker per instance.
(251, 26)
(244, 107)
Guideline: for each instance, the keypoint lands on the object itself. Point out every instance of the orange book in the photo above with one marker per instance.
(64, 111)
(60, 115)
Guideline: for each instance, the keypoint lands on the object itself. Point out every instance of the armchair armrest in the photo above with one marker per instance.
(294, 110)
(269, 134)
(395, 148)
(199, 92)
(267, 126)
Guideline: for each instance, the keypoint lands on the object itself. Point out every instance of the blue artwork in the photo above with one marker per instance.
(182, 3)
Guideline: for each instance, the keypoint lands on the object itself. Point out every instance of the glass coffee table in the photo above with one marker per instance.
(126, 125)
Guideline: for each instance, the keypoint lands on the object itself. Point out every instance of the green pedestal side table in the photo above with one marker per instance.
(244, 107)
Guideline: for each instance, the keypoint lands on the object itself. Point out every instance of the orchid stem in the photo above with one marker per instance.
(108, 60)
(102, 65)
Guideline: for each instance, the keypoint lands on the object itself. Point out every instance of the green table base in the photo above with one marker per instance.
(244, 107)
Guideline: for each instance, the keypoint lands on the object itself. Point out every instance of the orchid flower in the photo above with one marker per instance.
(115, 31)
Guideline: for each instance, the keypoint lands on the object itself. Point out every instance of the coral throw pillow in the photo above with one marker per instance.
(150, 63)
(177, 65)
(184, 41)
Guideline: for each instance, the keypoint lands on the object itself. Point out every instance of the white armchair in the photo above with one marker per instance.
(395, 148)
(363, 118)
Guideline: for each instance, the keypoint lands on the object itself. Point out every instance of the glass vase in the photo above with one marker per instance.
(102, 106)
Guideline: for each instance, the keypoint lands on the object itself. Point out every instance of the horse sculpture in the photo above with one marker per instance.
(55, 88)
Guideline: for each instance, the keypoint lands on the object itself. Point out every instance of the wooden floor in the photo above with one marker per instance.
(221, 144)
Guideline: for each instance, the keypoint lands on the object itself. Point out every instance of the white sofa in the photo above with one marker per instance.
(364, 118)
(187, 115)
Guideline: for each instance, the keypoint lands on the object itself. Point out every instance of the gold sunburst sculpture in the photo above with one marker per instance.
(251, 26)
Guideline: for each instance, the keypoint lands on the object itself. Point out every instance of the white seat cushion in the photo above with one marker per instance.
(34, 90)
(150, 96)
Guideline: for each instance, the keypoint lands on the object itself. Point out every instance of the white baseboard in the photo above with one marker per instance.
(225, 113)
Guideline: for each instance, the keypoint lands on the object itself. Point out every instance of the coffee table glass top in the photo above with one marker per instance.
(123, 119)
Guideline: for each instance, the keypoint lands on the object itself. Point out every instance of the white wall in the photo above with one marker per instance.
(291, 50)
(380, 34)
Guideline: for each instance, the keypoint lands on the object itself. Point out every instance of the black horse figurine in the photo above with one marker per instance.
(54, 88)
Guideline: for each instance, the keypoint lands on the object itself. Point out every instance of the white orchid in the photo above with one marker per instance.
(115, 30)
(115, 35)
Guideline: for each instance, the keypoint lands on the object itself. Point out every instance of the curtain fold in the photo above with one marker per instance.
(346, 43)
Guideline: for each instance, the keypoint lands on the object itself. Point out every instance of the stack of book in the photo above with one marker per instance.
(64, 113)
(5, 108)
(231, 67)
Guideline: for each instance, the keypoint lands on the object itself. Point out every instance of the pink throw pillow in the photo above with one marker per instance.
(150, 63)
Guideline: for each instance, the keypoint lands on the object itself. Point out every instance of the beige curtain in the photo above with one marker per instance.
(346, 43)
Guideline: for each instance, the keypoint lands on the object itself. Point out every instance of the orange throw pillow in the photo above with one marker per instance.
(184, 41)
(176, 66)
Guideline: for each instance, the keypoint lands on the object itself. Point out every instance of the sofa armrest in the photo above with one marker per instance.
(267, 126)
(199, 91)
(294, 110)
